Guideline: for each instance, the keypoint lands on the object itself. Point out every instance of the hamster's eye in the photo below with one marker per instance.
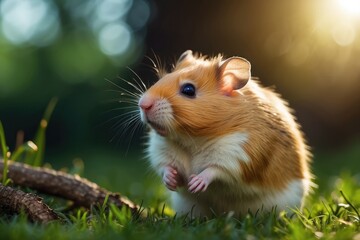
(188, 90)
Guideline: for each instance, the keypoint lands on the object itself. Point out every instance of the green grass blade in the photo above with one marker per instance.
(350, 204)
(41, 134)
(4, 151)
(26, 148)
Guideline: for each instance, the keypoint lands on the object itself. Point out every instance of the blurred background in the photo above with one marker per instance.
(309, 50)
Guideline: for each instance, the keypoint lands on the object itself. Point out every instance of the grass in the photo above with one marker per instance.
(327, 217)
(331, 212)
(31, 152)
(4, 150)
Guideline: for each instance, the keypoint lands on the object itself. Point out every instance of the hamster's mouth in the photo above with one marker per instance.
(158, 128)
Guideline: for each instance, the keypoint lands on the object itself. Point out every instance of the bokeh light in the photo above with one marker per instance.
(113, 34)
(81, 40)
(35, 22)
(113, 22)
(343, 33)
(115, 38)
(140, 14)
(112, 10)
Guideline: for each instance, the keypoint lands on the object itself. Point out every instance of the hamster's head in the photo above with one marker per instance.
(198, 98)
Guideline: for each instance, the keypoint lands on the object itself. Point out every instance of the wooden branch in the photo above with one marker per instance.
(72, 187)
(15, 201)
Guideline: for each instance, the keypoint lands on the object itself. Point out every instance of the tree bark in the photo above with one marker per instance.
(72, 187)
(13, 200)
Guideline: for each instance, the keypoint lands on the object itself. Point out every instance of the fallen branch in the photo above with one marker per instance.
(72, 187)
(15, 201)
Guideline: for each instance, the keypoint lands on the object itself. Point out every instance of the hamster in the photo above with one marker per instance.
(221, 142)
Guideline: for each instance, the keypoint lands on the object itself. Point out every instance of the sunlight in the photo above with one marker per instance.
(345, 29)
(339, 21)
(350, 6)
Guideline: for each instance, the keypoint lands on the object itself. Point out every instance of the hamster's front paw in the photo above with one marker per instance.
(172, 178)
(197, 184)
(200, 182)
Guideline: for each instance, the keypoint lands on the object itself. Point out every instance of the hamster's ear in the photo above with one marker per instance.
(186, 55)
(234, 74)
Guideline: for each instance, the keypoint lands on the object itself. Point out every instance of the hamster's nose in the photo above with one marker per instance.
(146, 103)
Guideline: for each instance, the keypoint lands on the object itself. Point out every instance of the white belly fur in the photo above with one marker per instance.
(226, 194)
(241, 201)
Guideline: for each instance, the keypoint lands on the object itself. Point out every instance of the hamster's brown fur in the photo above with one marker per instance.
(227, 102)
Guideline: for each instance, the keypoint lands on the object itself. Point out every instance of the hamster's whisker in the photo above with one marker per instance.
(158, 66)
(137, 125)
(125, 91)
(130, 124)
(114, 84)
(127, 99)
(131, 128)
(128, 107)
(154, 66)
(120, 108)
(133, 102)
(137, 88)
(120, 133)
(123, 116)
(125, 96)
(129, 94)
(141, 85)
(114, 100)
